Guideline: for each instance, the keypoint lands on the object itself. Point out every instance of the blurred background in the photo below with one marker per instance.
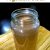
(7, 8)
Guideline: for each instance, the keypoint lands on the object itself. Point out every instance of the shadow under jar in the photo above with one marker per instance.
(25, 25)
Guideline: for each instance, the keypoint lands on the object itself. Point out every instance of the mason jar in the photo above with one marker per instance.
(25, 25)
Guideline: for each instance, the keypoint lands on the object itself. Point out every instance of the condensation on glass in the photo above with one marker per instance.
(25, 25)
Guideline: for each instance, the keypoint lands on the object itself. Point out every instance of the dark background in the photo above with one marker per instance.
(42, 8)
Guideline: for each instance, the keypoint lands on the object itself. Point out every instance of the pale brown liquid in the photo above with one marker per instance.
(26, 42)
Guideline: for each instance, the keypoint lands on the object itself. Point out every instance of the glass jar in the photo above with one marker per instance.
(25, 25)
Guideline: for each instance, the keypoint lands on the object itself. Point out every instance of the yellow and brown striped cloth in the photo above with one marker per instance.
(43, 42)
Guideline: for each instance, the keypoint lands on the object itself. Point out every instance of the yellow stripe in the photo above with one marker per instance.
(45, 44)
(5, 38)
(7, 43)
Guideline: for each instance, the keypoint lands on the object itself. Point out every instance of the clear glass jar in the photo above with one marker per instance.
(25, 25)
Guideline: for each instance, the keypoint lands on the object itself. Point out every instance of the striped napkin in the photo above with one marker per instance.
(43, 42)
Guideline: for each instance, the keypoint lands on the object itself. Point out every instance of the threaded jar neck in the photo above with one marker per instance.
(24, 19)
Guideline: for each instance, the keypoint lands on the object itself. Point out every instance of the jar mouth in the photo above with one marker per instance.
(24, 11)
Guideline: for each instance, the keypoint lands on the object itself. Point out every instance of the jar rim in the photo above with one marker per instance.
(21, 9)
